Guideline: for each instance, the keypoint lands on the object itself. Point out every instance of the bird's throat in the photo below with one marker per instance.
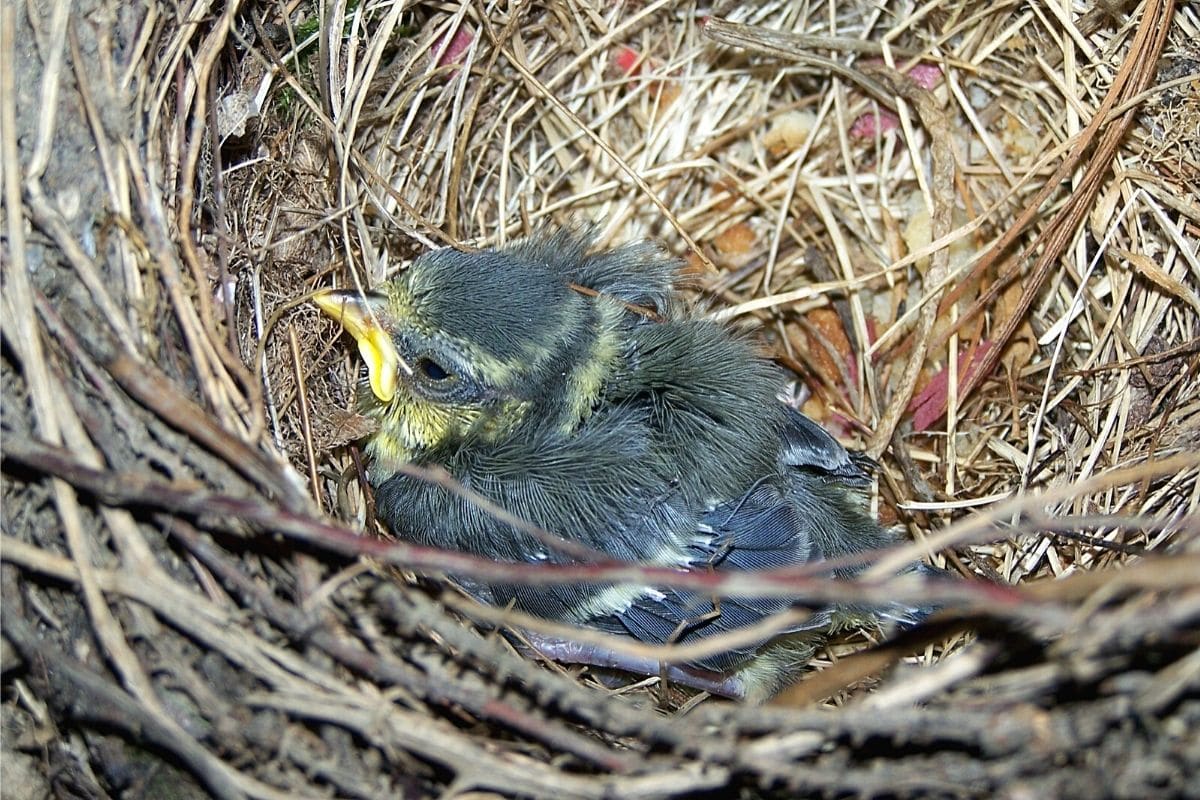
(411, 430)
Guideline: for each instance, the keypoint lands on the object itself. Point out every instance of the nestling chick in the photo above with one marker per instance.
(651, 438)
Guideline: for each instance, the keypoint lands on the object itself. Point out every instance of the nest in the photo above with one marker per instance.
(970, 232)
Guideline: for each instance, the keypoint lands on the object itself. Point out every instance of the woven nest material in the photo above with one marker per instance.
(971, 231)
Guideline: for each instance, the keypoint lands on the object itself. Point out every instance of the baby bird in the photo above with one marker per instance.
(575, 390)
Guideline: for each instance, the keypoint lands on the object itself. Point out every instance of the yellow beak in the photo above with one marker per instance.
(360, 316)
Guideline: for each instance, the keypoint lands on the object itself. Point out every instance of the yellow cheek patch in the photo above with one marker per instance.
(410, 426)
(360, 316)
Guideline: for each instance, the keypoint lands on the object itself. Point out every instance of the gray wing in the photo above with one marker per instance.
(806, 444)
(761, 530)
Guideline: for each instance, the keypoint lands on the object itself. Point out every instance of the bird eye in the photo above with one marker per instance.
(432, 369)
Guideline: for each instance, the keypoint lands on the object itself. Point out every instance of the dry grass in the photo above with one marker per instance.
(971, 231)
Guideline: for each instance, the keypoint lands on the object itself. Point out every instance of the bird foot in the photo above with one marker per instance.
(570, 651)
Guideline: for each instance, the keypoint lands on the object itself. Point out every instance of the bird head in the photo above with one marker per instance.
(470, 345)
